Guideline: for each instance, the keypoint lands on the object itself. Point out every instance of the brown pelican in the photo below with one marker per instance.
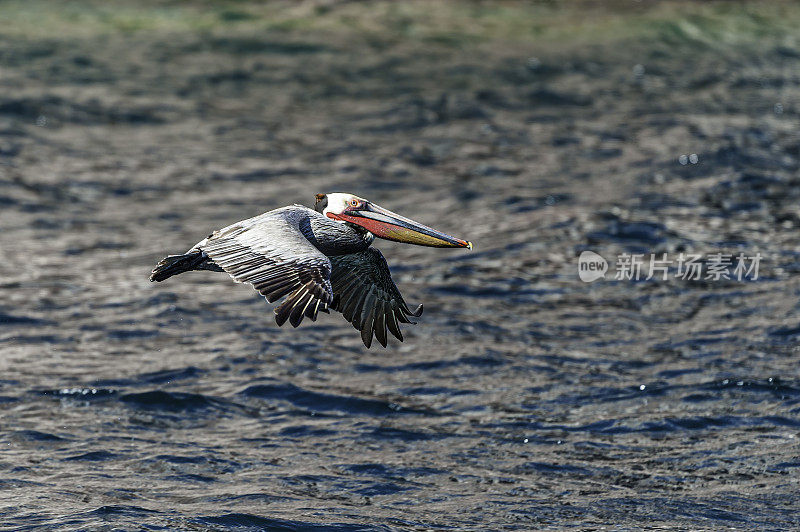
(318, 259)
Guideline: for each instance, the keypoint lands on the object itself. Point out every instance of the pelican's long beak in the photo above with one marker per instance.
(391, 226)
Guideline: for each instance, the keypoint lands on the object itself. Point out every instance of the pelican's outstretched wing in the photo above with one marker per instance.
(367, 297)
(271, 253)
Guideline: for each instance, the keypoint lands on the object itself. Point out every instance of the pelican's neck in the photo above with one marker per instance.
(337, 238)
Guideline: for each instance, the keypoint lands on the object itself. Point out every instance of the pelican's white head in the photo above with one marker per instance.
(337, 203)
(347, 208)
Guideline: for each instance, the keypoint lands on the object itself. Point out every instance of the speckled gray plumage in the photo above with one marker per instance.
(295, 253)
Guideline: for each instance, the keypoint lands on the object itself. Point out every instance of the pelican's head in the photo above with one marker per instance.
(383, 223)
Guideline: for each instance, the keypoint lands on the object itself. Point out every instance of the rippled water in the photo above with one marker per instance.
(524, 398)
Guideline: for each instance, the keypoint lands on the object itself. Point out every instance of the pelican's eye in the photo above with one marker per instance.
(354, 203)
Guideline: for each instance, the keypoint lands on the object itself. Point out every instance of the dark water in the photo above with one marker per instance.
(524, 399)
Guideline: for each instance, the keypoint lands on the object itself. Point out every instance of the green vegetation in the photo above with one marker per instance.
(447, 23)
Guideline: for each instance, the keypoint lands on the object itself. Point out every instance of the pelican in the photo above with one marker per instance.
(318, 259)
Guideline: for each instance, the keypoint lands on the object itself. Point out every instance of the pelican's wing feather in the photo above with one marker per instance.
(272, 253)
(367, 297)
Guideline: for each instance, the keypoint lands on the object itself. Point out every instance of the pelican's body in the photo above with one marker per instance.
(317, 258)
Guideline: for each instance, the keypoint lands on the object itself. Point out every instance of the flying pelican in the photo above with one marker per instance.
(319, 259)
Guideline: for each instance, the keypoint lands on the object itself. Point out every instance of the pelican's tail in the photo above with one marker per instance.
(175, 264)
